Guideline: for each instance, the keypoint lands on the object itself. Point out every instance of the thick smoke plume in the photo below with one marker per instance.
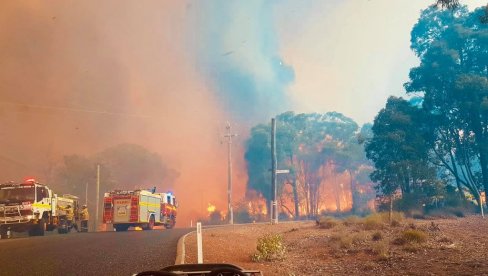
(77, 77)
(238, 51)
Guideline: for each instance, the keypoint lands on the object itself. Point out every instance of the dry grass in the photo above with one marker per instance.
(352, 220)
(379, 221)
(412, 248)
(445, 240)
(312, 251)
(360, 237)
(327, 222)
(373, 222)
(411, 236)
(341, 241)
(380, 249)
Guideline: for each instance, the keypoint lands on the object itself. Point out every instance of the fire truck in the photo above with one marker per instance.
(30, 206)
(139, 208)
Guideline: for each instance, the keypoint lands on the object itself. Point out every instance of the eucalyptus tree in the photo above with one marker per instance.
(452, 78)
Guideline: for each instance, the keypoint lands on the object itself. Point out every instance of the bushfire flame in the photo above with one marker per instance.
(211, 208)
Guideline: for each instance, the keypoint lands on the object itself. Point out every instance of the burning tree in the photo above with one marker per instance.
(315, 148)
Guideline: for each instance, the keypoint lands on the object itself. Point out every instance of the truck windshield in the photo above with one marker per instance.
(17, 195)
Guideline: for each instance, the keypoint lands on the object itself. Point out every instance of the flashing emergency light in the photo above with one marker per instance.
(29, 180)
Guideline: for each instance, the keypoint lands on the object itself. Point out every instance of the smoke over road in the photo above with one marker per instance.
(80, 76)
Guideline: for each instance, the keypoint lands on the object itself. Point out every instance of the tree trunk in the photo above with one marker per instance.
(484, 169)
(295, 199)
(353, 193)
(307, 200)
(456, 176)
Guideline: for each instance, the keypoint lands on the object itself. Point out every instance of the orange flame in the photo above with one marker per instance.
(211, 208)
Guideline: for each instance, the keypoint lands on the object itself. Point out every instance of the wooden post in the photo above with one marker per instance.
(199, 243)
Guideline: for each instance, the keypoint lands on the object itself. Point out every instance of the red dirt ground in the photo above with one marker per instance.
(453, 247)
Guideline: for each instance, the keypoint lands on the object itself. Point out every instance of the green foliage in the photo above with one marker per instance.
(440, 137)
(448, 4)
(270, 248)
(399, 150)
(453, 50)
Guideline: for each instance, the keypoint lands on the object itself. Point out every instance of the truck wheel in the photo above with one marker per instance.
(38, 229)
(169, 225)
(150, 225)
(41, 228)
(3, 233)
(121, 227)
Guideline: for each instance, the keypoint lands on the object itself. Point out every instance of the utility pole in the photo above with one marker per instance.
(229, 136)
(274, 174)
(86, 193)
(98, 197)
(274, 212)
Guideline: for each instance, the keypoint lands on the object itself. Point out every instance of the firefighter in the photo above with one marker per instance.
(85, 216)
(70, 217)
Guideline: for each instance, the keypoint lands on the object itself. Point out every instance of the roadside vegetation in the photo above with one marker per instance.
(426, 154)
(270, 248)
(377, 234)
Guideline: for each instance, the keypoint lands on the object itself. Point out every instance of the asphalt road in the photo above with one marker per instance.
(105, 253)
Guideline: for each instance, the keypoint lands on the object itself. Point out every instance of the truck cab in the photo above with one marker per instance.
(26, 206)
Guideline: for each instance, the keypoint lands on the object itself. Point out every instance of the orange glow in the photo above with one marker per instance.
(334, 193)
(211, 208)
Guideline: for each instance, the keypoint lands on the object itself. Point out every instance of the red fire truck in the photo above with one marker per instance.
(139, 208)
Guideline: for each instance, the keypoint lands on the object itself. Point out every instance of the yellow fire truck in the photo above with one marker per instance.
(31, 206)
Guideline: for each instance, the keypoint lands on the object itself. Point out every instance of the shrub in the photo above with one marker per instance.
(341, 241)
(458, 212)
(411, 236)
(378, 220)
(412, 248)
(327, 222)
(395, 223)
(377, 236)
(352, 220)
(360, 237)
(270, 248)
(395, 216)
(440, 213)
(380, 249)
(373, 221)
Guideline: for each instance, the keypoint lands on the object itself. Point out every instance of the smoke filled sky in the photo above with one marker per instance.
(80, 76)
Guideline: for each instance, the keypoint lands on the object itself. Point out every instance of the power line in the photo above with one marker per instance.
(82, 110)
